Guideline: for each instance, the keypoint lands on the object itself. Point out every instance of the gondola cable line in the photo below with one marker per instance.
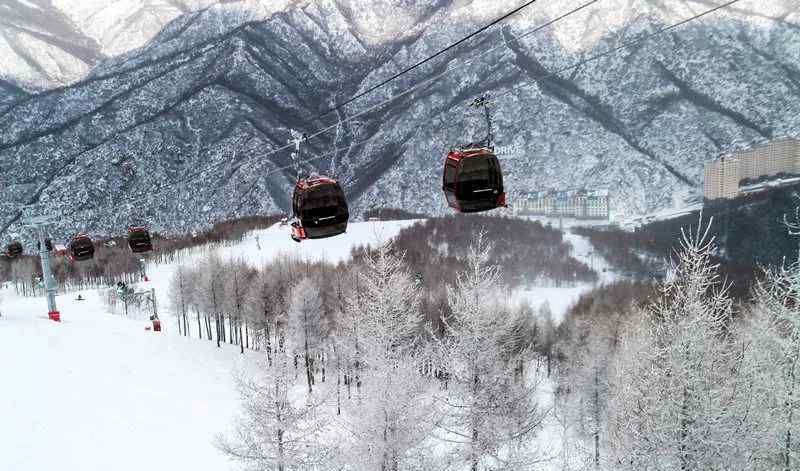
(573, 66)
(552, 73)
(415, 87)
(627, 45)
(422, 62)
(428, 81)
(513, 89)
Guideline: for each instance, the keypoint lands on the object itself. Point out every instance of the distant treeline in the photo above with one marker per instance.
(392, 214)
(528, 251)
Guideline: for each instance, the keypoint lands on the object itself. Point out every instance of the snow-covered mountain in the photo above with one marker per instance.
(46, 43)
(178, 132)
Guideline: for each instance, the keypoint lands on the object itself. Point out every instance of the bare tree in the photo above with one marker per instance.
(393, 422)
(491, 417)
(680, 400)
(275, 432)
(307, 324)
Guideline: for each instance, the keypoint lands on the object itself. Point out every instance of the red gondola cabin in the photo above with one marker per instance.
(80, 248)
(473, 181)
(14, 249)
(139, 240)
(320, 209)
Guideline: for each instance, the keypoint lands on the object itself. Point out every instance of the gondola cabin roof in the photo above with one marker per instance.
(465, 153)
(308, 183)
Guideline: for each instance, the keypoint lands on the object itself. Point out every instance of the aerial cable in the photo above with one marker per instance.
(575, 65)
(335, 154)
(201, 173)
(430, 79)
(479, 102)
(595, 57)
(427, 59)
(297, 139)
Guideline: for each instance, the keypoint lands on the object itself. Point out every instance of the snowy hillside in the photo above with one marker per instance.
(104, 393)
(178, 132)
(48, 43)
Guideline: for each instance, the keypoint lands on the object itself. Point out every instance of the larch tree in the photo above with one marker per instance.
(680, 400)
(548, 334)
(490, 417)
(179, 292)
(307, 324)
(211, 293)
(238, 279)
(276, 432)
(391, 426)
(773, 331)
(261, 311)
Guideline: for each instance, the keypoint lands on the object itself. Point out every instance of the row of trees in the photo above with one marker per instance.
(684, 377)
(358, 373)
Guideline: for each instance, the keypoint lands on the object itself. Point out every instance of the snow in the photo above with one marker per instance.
(561, 299)
(29, 4)
(97, 391)
(661, 215)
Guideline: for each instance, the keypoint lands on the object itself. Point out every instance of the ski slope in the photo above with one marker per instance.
(99, 392)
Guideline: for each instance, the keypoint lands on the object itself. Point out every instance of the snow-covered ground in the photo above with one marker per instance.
(561, 298)
(99, 392)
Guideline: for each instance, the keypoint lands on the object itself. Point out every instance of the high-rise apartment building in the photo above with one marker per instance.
(722, 176)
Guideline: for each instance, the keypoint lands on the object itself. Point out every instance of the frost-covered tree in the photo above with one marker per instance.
(491, 417)
(210, 293)
(680, 400)
(237, 280)
(262, 308)
(772, 330)
(391, 424)
(307, 324)
(179, 292)
(547, 337)
(277, 432)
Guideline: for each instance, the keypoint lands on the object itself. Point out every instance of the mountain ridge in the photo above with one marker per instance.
(639, 123)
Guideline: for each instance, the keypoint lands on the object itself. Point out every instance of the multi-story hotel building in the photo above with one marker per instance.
(580, 204)
(722, 176)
